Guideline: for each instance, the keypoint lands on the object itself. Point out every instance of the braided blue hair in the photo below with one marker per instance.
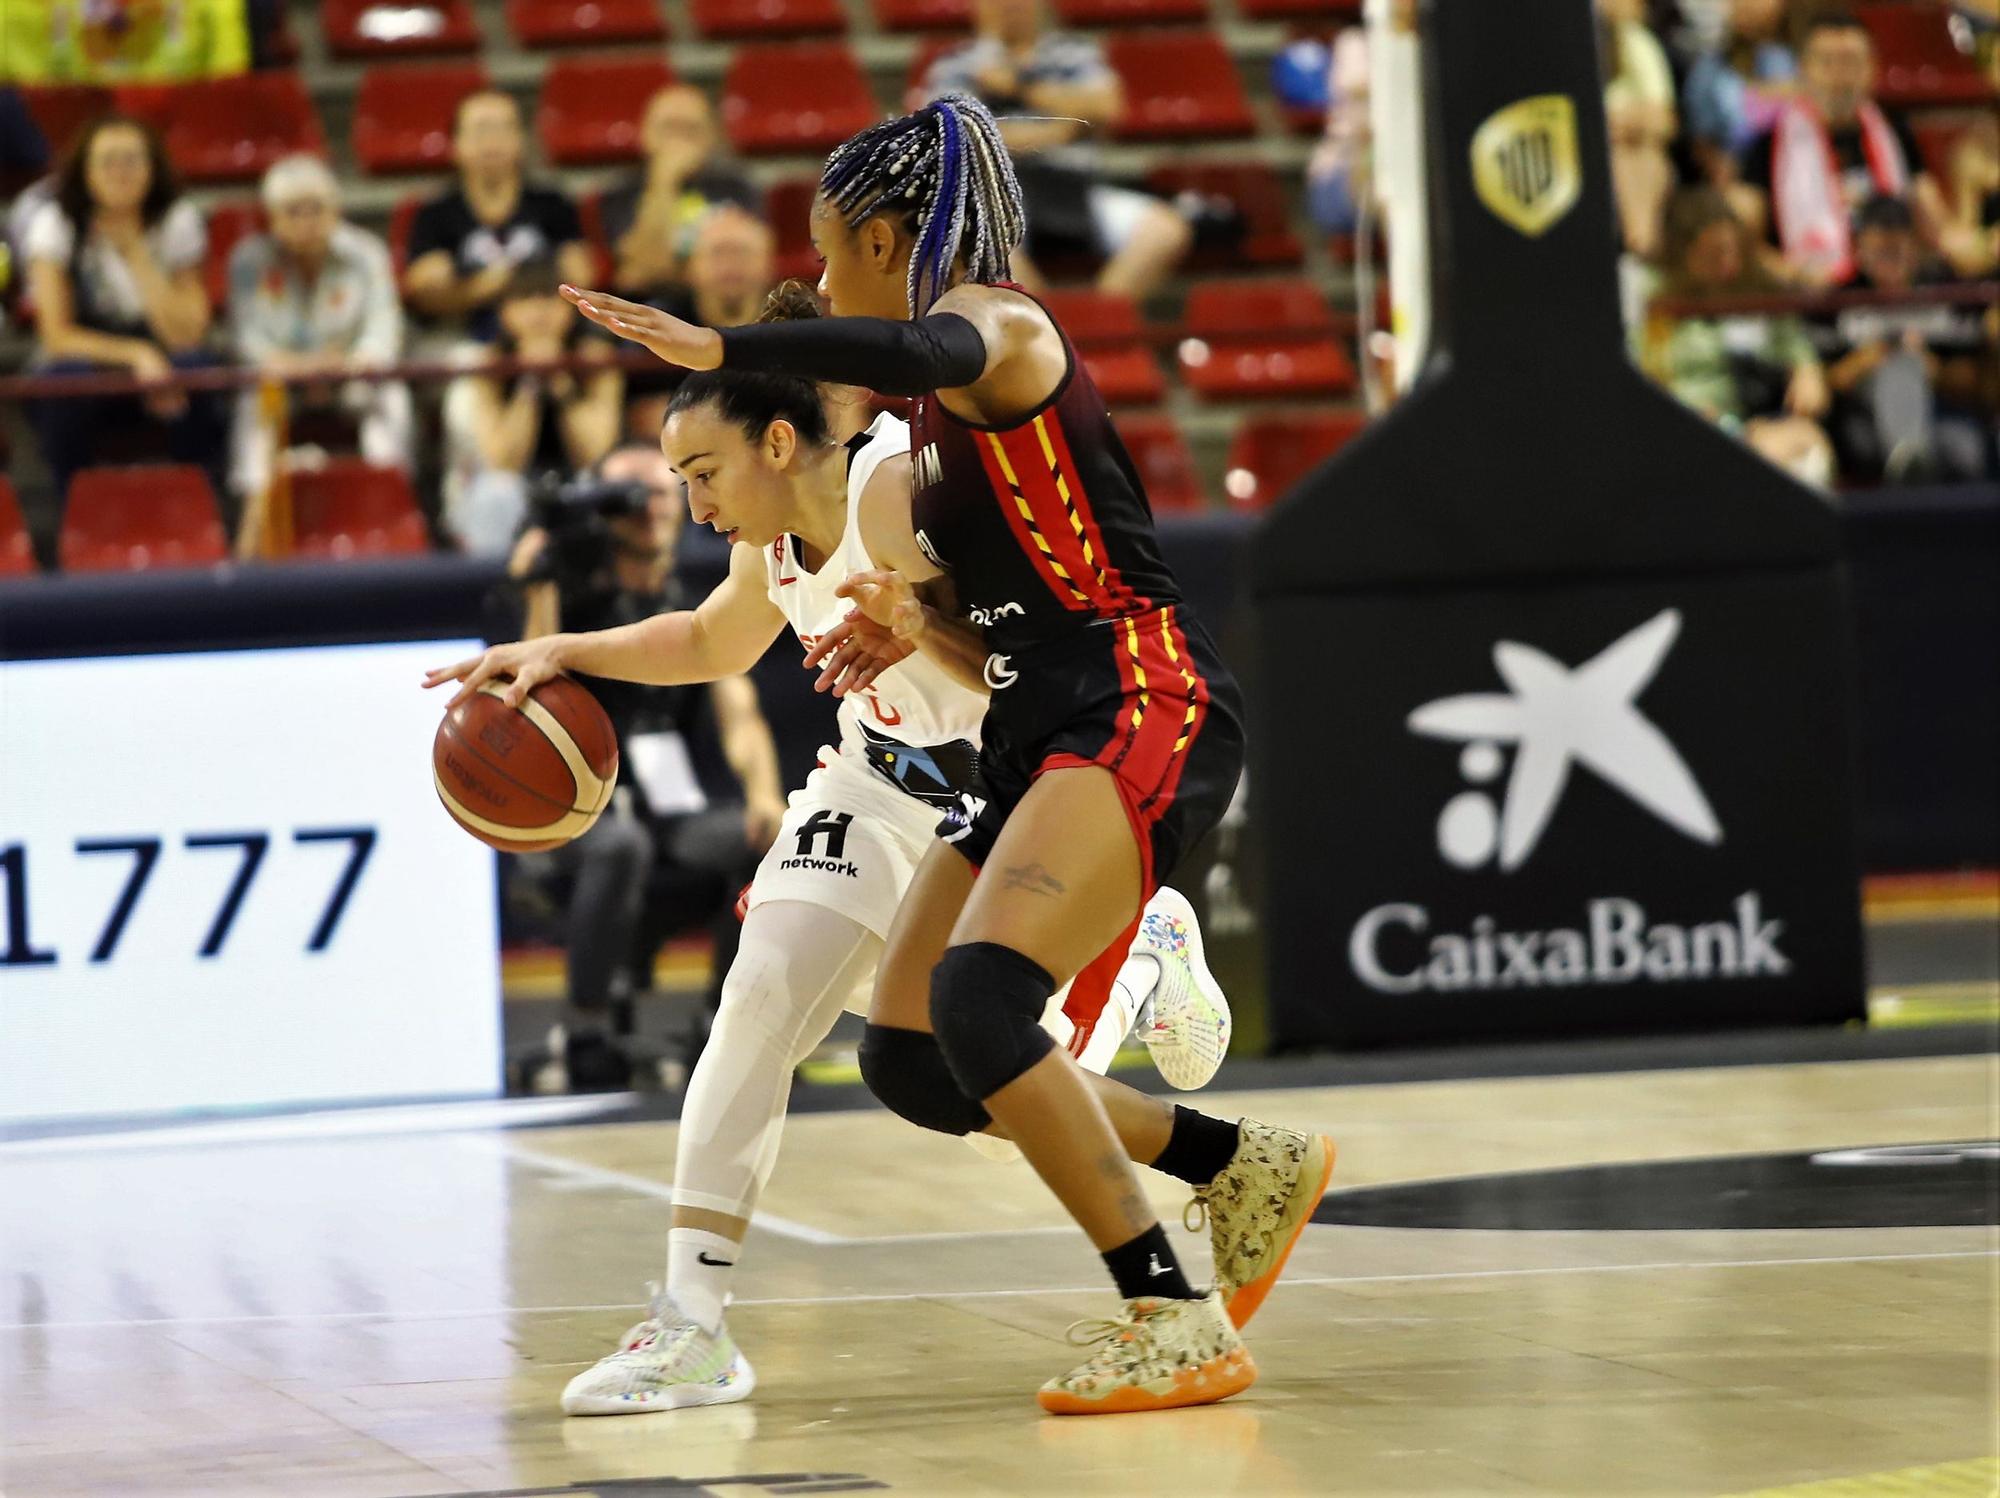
(946, 166)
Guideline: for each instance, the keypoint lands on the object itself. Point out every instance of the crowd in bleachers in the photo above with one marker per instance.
(1759, 147)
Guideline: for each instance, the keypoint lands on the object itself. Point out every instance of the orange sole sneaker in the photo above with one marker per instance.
(1213, 1381)
(1243, 1302)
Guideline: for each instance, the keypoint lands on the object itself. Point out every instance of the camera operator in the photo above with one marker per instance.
(598, 552)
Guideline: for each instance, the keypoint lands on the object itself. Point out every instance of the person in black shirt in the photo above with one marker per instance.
(649, 220)
(467, 242)
(523, 427)
(1805, 209)
(1913, 384)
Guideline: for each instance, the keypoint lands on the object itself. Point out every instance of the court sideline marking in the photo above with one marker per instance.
(948, 1296)
(770, 1222)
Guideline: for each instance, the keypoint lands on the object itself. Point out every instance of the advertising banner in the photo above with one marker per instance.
(226, 883)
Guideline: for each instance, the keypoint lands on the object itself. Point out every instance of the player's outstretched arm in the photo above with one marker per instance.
(723, 637)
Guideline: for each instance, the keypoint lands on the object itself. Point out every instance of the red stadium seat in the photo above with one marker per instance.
(1082, 13)
(1272, 452)
(808, 97)
(1297, 10)
(17, 551)
(787, 207)
(1112, 342)
(1918, 60)
(1259, 195)
(229, 129)
(923, 15)
(129, 519)
(228, 225)
(592, 106)
(1179, 85)
(398, 28)
(727, 19)
(1165, 465)
(1262, 339)
(403, 113)
(583, 23)
(350, 508)
(63, 109)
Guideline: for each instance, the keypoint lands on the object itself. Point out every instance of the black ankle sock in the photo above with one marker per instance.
(1147, 1266)
(1198, 1148)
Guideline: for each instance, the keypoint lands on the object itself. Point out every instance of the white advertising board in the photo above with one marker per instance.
(226, 883)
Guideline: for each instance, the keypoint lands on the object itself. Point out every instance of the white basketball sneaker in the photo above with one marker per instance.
(1187, 1023)
(666, 1362)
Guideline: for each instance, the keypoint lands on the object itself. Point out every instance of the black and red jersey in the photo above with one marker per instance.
(1043, 526)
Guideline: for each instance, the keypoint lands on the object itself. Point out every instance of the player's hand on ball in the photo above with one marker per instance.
(669, 337)
(528, 662)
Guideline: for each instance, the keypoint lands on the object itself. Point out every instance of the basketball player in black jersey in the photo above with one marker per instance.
(1112, 743)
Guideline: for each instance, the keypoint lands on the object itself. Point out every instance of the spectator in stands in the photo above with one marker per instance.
(1756, 376)
(24, 160)
(1639, 109)
(1973, 198)
(1339, 174)
(24, 150)
(529, 426)
(316, 296)
(729, 267)
(467, 242)
(677, 844)
(1735, 89)
(1913, 385)
(1832, 148)
(1054, 92)
(649, 220)
(114, 270)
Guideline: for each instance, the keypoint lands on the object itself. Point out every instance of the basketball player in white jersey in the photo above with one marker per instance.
(766, 466)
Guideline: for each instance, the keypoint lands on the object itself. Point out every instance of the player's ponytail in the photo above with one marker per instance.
(946, 172)
(753, 399)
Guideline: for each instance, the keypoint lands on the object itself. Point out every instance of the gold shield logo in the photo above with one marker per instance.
(1524, 163)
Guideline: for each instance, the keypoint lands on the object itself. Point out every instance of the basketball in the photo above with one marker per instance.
(526, 779)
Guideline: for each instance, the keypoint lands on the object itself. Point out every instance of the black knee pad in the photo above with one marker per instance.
(906, 1072)
(986, 1009)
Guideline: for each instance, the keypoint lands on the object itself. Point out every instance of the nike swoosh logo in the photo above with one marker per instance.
(786, 582)
(715, 1263)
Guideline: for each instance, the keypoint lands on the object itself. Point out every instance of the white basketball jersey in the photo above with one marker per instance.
(915, 703)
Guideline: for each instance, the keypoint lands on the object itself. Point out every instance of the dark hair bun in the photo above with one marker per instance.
(791, 301)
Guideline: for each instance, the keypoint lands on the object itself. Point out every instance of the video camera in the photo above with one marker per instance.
(577, 514)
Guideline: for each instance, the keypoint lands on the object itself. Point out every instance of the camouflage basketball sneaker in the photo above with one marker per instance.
(1257, 1208)
(666, 1362)
(1187, 1022)
(1159, 1355)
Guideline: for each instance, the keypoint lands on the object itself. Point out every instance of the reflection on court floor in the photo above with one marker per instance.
(347, 1310)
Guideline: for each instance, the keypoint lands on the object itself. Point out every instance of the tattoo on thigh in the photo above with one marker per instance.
(1033, 878)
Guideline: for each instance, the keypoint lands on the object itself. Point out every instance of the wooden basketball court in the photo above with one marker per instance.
(388, 1304)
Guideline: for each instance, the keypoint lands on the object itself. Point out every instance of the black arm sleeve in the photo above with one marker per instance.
(939, 352)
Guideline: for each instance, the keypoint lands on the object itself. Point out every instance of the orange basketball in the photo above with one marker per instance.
(528, 778)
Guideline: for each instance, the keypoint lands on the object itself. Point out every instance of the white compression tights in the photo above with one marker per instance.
(797, 967)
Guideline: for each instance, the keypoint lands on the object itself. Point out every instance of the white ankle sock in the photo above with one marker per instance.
(699, 1265)
(1136, 981)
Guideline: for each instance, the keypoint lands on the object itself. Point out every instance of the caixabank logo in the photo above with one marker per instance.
(1558, 722)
